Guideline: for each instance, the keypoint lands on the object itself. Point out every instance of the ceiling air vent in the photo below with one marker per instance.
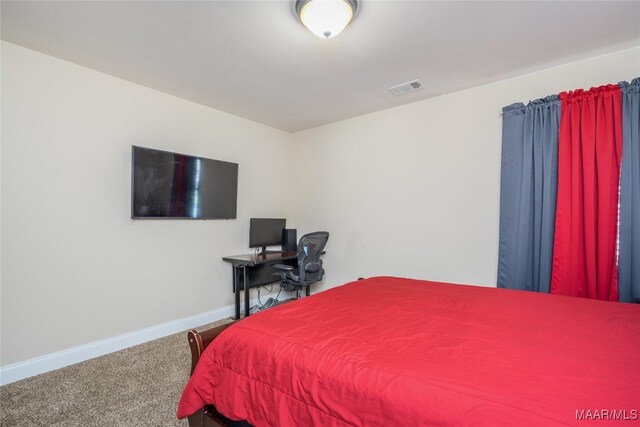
(407, 87)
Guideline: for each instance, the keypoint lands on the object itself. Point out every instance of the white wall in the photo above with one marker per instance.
(414, 191)
(75, 267)
(411, 191)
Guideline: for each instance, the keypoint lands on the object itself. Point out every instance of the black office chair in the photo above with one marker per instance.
(310, 248)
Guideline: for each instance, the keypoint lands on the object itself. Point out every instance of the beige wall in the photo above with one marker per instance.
(410, 191)
(75, 267)
(414, 190)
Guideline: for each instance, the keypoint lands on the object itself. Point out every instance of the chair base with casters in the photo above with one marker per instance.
(309, 270)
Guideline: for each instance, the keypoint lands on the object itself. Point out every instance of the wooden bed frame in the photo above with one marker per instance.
(198, 341)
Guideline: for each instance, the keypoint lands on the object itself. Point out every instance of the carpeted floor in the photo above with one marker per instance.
(138, 386)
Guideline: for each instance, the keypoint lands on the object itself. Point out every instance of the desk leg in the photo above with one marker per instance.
(247, 310)
(236, 290)
(308, 291)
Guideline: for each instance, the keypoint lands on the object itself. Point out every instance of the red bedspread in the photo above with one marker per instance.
(400, 352)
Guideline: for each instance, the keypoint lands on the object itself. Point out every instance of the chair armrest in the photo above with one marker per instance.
(283, 267)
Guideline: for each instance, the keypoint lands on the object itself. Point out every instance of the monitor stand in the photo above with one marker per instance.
(264, 251)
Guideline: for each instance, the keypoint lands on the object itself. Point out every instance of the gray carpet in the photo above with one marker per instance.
(138, 386)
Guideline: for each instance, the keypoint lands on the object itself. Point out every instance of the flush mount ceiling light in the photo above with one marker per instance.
(326, 18)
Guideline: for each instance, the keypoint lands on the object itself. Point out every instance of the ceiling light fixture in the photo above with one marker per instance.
(326, 18)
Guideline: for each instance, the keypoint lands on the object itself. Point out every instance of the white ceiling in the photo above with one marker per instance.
(255, 60)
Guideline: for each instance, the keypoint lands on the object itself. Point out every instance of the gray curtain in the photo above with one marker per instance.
(629, 231)
(528, 186)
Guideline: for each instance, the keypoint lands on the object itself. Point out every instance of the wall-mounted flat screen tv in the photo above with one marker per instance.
(173, 185)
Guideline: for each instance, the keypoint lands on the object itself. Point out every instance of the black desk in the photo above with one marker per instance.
(256, 270)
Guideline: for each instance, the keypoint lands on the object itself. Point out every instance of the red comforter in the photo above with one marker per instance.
(398, 352)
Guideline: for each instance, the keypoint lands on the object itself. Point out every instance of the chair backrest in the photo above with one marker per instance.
(310, 247)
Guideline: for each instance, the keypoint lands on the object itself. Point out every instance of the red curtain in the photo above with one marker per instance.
(589, 153)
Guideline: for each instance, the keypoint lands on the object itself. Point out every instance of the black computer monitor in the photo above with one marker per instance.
(265, 232)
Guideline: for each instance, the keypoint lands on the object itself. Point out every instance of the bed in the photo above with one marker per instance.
(398, 352)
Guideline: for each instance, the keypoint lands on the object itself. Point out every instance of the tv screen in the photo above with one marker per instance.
(172, 185)
(266, 231)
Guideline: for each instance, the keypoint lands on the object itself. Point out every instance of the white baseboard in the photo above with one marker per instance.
(60, 359)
